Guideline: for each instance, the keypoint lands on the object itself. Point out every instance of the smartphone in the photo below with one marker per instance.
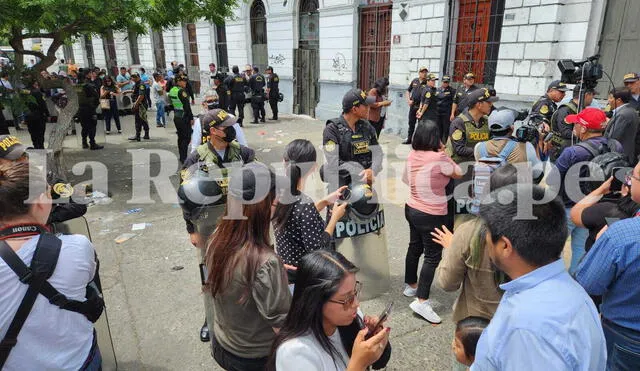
(616, 184)
(384, 315)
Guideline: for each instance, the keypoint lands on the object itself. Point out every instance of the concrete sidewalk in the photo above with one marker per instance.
(152, 282)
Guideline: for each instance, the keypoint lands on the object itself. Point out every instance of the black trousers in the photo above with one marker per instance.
(237, 101)
(141, 123)
(89, 123)
(112, 113)
(273, 102)
(4, 127)
(258, 111)
(420, 242)
(183, 129)
(378, 125)
(443, 124)
(412, 121)
(36, 124)
(231, 362)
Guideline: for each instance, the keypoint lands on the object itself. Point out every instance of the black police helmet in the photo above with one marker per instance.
(361, 207)
(199, 192)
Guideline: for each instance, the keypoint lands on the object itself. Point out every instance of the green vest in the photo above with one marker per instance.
(207, 156)
(175, 98)
(474, 136)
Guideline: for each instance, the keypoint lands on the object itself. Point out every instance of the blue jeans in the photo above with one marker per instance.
(623, 347)
(160, 118)
(578, 240)
(94, 359)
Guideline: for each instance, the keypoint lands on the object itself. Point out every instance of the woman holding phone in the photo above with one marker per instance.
(324, 330)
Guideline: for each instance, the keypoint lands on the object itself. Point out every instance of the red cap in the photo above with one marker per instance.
(591, 118)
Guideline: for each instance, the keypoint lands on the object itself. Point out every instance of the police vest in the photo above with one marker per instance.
(572, 108)
(85, 101)
(474, 136)
(206, 155)
(174, 95)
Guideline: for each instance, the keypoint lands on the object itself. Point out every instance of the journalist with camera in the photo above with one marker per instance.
(505, 146)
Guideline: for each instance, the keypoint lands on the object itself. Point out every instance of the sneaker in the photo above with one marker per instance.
(119, 131)
(135, 137)
(407, 141)
(158, 125)
(409, 291)
(107, 132)
(425, 311)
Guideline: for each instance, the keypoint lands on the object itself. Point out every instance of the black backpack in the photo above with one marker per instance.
(603, 159)
(43, 264)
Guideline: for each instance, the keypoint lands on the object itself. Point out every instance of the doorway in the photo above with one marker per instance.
(374, 52)
(258, 20)
(306, 59)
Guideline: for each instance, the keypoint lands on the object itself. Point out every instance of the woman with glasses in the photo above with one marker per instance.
(51, 338)
(246, 278)
(110, 90)
(324, 330)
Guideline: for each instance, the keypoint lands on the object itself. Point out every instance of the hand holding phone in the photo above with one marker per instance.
(380, 322)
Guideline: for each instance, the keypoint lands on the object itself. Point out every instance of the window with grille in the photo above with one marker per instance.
(221, 48)
(474, 39)
(258, 23)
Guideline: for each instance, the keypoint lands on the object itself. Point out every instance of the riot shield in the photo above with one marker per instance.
(105, 343)
(364, 243)
(205, 224)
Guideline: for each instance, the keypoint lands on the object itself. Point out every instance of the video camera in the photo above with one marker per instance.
(587, 72)
(531, 127)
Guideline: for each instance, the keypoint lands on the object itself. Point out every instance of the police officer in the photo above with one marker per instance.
(460, 103)
(470, 127)
(88, 100)
(428, 104)
(236, 84)
(36, 118)
(224, 94)
(182, 115)
(140, 108)
(444, 98)
(351, 138)
(559, 126)
(273, 91)
(218, 152)
(547, 104)
(414, 97)
(632, 81)
(257, 84)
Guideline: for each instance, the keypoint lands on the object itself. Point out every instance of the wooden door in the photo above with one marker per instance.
(375, 44)
(473, 34)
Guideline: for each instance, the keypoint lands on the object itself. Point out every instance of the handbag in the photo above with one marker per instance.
(105, 103)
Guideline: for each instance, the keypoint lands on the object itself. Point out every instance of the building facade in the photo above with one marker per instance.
(321, 48)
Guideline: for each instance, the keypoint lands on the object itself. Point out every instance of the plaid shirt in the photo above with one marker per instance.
(611, 268)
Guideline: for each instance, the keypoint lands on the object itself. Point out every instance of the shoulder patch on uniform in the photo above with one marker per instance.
(141, 87)
(330, 146)
(457, 135)
(428, 95)
(544, 109)
(184, 94)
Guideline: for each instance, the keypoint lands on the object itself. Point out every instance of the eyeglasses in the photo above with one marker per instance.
(349, 300)
(630, 176)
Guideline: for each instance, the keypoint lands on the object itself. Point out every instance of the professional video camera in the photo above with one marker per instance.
(531, 127)
(587, 72)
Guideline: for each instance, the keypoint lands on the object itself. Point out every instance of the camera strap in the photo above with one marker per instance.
(23, 230)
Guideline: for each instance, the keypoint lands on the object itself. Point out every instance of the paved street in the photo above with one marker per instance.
(155, 308)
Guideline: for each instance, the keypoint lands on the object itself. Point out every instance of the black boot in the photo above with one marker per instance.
(95, 146)
(146, 136)
(84, 144)
(204, 333)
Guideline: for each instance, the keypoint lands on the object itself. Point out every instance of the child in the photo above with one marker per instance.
(468, 332)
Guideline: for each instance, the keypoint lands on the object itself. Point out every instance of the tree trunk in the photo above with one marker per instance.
(55, 158)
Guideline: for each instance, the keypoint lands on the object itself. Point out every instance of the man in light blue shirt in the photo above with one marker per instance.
(545, 320)
(123, 80)
(612, 269)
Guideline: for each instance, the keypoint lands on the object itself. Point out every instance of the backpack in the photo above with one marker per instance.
(482, 170)
(603, 159)
(43, 264)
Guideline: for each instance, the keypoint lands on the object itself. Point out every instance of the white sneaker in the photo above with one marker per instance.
(424, 309)
(409, 291)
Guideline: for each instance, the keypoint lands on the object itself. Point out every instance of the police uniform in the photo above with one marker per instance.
(36, 118)
(461, 97)
(182, 117)
(545, 106)
(257, 84)
(224, 94)
(429, 99)
(632, 77)
(343, 145)
(444, 98)
(559, 126)
(274, 92)
(139, 89)
(415, 90)
(88, 100)
(236, 84)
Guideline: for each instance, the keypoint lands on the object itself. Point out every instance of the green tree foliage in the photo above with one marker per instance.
(63, 20)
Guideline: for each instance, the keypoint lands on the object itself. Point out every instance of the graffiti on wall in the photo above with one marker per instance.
(277, 59)
(339, 64)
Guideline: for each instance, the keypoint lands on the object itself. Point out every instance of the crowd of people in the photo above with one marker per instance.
(295, 304)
